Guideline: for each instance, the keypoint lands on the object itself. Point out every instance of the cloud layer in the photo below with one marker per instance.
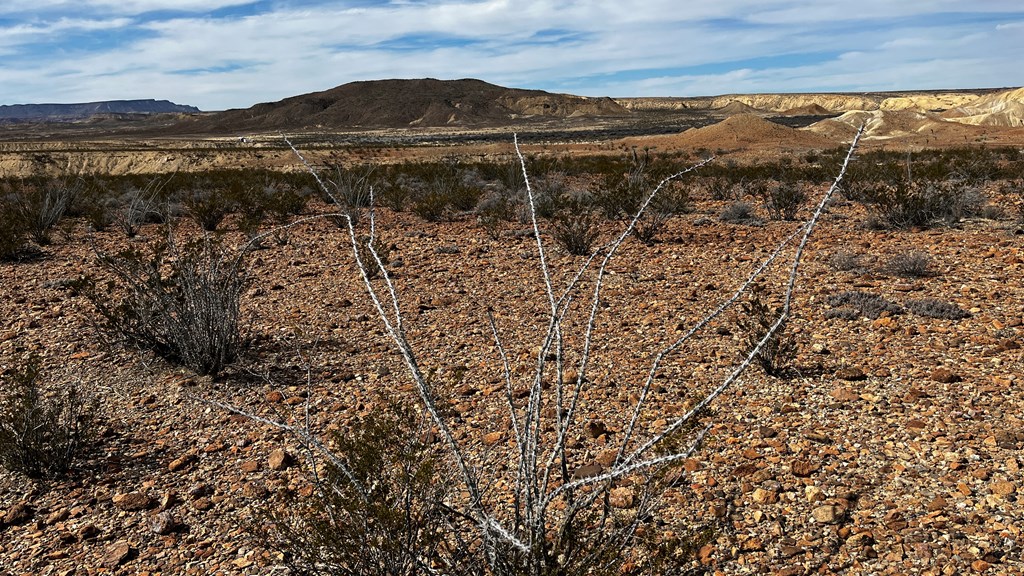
(219, 54)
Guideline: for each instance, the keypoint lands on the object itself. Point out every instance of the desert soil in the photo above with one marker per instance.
(893, 448)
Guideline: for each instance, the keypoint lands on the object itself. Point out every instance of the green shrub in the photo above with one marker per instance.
(180, 301)
(40, 436)
(13, 232)
(378, 508)
(208, 205)
(43, 202)
(783, 200)
(575, 227)
(756, 318)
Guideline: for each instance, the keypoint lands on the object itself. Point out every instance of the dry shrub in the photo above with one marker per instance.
(40, 436)
(180, 301)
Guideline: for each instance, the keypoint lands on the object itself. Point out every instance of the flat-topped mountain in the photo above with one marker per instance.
(406, 103)
(81, 111)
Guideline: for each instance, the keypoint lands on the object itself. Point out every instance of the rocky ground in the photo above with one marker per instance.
(892, 447)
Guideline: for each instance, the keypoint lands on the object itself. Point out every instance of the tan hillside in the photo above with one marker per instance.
(781, 102)
(733, 108)
(894, 124)
(932, 102)
(743, 131)
(1000, 109)
(808, 110)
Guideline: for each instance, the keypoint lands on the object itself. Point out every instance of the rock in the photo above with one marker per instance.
(804, 468)
(762, 496)
(132, 501)
(164, 523)
(860, 540)
(944, 376)
(274, 397)
(87, 531)
(19, 514)
(181, 463)
(596, 428)
(622, 498)
(249, 466)
(937, 504)
(851, 374)
(587, 471)
(279, 459)
(492, 438)
(980, 565)
(202, 504)
(117, 554)
(844, 395)
(827, 514)
(1003, 488)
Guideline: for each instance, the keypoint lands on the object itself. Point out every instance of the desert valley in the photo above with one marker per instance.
(546, 334)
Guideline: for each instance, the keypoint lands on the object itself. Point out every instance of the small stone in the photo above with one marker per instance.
(492, 438)
(181, 463)
(249, 466)
(804, 468)
(1003, 488)
(980, 565)
(622, 498)
(814, 494)
(295, 400)
(202, 504)
(164, 523)
(168, 499)
(587, 471)
(596, 428)
(274, 397)
(19, 514)
(844, 395)
(851, 374)
(944, 376)
(132, 501)
(827, 514)
(937, 504)
(762, 496)
(87, 531)
(279, 459)
(860, 540)
(117, 554)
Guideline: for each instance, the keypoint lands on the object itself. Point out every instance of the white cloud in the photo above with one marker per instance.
(676, 51)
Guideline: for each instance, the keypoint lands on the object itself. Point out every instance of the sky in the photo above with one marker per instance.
(220, 54)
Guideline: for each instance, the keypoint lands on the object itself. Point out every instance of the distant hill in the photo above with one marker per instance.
(402, 104)
(73, 112)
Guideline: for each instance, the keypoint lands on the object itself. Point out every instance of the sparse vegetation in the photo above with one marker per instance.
(178, 300)
(758, 323)
(853, 304)
(910, 264)
(935, 308)
(41, 435)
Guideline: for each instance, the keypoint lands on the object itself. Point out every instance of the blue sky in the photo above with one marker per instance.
(218, 54)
